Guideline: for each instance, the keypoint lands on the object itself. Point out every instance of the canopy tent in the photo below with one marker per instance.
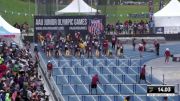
(8, 27)
(77, 6)
(168, 17)
(4, 31)
(7, 30)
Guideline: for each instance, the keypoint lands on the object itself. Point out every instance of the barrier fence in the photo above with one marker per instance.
(138, 89)
(98, 62)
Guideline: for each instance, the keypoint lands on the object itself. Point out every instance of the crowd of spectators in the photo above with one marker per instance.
(19, 78)
(128, 27)
(24, 28)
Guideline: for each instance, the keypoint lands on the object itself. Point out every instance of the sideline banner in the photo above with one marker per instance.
(69, 24)
(159, 30)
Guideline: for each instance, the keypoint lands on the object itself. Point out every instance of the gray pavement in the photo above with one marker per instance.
(171, 70)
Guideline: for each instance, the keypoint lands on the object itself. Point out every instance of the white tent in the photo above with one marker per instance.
(169, 17)
(10, 30)
(77, 6)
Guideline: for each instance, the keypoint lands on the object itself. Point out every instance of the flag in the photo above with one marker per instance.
(95, 26)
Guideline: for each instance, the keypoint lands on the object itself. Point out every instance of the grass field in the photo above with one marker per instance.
(120, 12)
(16, 6)
(114, 12)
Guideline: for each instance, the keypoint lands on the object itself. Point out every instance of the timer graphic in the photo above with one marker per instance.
(160, 90)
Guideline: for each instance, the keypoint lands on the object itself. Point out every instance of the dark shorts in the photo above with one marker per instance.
(66, 49)
(93, 85)
(142, 77)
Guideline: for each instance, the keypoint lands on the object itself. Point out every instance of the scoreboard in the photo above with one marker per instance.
(160, 90)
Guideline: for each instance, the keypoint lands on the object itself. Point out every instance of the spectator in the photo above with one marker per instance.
(49, 69)
(8, 98)
(113, 42)
(67, 49)
(41, 39)
(49, 37)
(97, 51)
(135, 28)
(95, 80)
(118, 48)
(18, 75)
(108, 28)
(134, 43)
(37, 59)
(144, 44)
(16, 25)
(167, 55)
(27, 45)
(2, 95)
(18, 97)
(141, 50)
(51, 46)
(1, 60)
(75, 50)
(121, 51)
(82, 48)
(105, 46)
(89, 51)
(143, 74)
(165, 98)
(48, 53)
(157, 46)
(57, 51)
(25, 27)
(36, 48)
(99, 48)
(128, 27)
(78, 51)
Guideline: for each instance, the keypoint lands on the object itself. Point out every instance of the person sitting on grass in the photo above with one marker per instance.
(95, 80)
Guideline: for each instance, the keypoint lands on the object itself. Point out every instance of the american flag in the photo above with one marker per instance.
(95, 26)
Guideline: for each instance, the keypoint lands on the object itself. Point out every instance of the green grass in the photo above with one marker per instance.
(17, 6)
(113, 12)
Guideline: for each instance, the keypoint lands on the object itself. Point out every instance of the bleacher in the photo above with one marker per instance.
(118, 78)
